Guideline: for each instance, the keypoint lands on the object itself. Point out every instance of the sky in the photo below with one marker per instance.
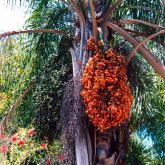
(11, 18)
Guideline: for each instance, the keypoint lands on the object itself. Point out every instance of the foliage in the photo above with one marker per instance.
(47, 98)
(41, 54)
(148, 110)
(3, 101)
(138, 154)
(52, 64)
(15, 72)
(23, 148)
(51, 16)
(38, 49)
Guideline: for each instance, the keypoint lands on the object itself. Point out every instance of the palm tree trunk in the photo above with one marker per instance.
(82, 140)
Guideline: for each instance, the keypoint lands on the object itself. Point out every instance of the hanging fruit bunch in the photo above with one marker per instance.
(105, 91)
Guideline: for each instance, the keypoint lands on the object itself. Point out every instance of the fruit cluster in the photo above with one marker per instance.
(105, 91)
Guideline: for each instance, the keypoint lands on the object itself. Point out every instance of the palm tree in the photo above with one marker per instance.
(137, 22)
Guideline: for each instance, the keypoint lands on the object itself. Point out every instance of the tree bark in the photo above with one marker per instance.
(82, 143)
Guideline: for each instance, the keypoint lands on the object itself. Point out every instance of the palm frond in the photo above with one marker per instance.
(138, 153)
